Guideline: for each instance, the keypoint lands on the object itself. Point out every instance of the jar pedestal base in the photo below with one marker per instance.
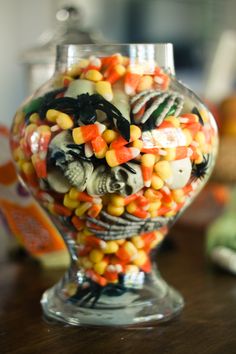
(155, 301)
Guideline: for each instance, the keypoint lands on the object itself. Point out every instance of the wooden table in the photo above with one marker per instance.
(207, 324)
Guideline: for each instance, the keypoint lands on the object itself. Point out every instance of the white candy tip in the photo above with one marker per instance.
(101, 127)
(135, 151)
(129, 90)
(108, 97)
(147, 183)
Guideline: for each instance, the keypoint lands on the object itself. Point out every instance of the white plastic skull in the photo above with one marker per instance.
(115, 180)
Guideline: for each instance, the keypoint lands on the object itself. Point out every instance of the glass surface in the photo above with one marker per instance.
(114, 148)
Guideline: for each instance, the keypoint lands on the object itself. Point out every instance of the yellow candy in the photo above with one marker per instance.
(131, 207)
(117, 200)
(170, 213)
(93, 75)
(96, 256)
(115, 210)
(100, 267)
(70, 203)
(64, 121)
(150, 194)
(156, 182)
(135, 132)
(111, 247)
(170, 154)
(73, 193)
(28, 168)
(137, 144)
(173, 120)
(200, 158)
(154, 206)
(162, 169)
(131, 268)
(137, 241)
(75, 70)
(200, 138)
(43, 128)
(52, 115)
(104, 89)
(153, 213)
(178, 195)
(120, 242)
(83, 63)
(82, 208)
(159, 238)
(188, 136)
(130, 248)
(145, 83)
(140, 259)
(34, 118)
(109, 135)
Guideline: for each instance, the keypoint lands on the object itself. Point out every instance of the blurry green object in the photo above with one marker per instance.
(221, 237)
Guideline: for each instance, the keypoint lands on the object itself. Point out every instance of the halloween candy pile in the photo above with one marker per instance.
(114, 153)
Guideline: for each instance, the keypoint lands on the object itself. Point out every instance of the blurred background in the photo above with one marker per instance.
(195, 27)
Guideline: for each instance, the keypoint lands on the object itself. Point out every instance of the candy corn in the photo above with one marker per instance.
(87, 132)
(104, 89)
(131, 82)
(99, 146)
(147, 164)
(115, 73)
(116, 157)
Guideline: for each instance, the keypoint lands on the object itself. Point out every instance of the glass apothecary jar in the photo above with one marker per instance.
(114, 148)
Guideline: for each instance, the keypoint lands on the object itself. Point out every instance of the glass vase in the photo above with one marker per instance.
(114, 148)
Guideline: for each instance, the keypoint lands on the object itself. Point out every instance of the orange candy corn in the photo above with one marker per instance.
(135, 134)
(147, 165)
(115, 73)
(87, 133)
(78, 223)
(99, 147)
(94, 210)
(134, 209)
(94, 241)
(116, 157)
(188, 118)
(131, 82)
(61, 210)
(96, 277)
(40, 166)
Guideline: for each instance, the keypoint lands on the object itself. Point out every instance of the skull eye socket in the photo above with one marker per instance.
(128, 190)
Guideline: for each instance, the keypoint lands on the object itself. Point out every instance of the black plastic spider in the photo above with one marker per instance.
(196, 111)
(199, 170)
(34, 105)
(90, 295)
(84, 109)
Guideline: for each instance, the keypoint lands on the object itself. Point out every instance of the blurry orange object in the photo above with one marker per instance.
(26, 220)
(227, 111)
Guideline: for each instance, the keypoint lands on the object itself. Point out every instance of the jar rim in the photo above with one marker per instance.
(157, 45)
(162, 53)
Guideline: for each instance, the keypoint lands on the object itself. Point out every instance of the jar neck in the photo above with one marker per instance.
(160, 54)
